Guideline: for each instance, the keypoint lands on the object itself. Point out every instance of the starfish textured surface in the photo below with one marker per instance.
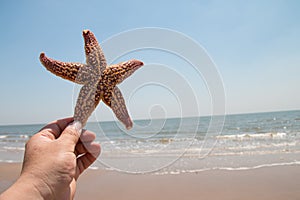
(98, 79)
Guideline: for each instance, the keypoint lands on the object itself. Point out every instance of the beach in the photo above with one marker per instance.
(256, 156)
(278, 182)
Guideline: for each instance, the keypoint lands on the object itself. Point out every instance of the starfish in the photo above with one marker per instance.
(99, 80)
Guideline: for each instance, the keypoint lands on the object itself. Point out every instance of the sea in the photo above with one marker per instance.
(182, 145)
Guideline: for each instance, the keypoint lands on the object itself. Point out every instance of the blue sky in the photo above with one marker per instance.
(255, 45)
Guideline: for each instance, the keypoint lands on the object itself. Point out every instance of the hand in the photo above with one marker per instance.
(54, 158)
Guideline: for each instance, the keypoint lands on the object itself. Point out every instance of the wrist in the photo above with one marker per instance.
(27, 187)
(37, 186)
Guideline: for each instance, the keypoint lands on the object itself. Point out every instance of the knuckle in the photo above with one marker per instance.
(73, 133)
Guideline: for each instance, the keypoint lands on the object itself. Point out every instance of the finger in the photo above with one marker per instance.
(85, 161)
(54, 129)
(87, 136)
(71, 134)
(92, 148)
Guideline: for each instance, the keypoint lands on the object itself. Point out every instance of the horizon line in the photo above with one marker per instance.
(226, 114)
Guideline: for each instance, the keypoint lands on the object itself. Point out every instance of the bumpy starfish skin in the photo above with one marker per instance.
(99, 80)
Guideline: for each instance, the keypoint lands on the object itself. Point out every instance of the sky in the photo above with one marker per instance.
(254, 45)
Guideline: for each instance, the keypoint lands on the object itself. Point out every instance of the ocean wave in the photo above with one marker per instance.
(247, 136)
(14, 148)
(259, 166)
(260, 145)
(9, 161)
(195, 171)
(252, 153)
(93, 168)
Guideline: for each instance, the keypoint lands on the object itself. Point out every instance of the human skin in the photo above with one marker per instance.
(54, 159)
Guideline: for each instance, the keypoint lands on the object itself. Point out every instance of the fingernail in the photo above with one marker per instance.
(77, 126)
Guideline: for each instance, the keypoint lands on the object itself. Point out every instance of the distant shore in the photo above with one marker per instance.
(270, 183)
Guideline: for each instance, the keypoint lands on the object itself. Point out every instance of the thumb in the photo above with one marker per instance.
(72, 132)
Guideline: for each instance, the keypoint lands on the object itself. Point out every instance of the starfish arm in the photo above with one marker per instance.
(87, 101)
(65, 70)
(94, 54)
(116, 102)
(99, 80)
(115, 74)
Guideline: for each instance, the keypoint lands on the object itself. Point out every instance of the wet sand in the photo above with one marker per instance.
(281, 182)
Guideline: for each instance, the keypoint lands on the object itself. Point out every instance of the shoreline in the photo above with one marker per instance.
(277, 182)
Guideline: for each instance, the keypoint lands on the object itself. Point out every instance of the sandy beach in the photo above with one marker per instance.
(280, 182)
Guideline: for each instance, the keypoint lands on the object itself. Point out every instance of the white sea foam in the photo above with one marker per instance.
(15, 148)
(177, 171)
(248, 136)
(260, 166)
(261, 145)
(240, 153)
(9, 161)
(93, 168)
